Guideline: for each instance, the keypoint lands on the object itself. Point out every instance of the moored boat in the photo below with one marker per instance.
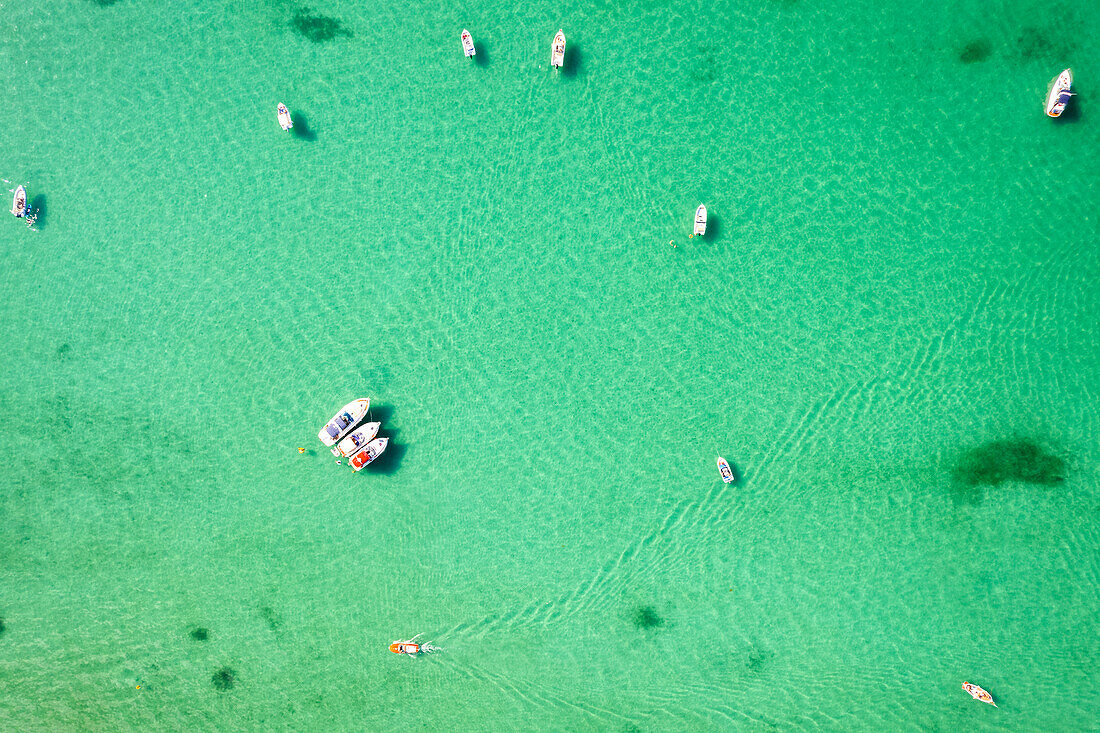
(1059, 94)
(19, 202)
(557, 50)
(343, 421)
(978, 693)
(700, 221)
(725, 470)
(356, 439)
(284, 117)
(368, 453)
(468, 44)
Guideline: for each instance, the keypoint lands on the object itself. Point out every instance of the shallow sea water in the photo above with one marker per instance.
(891, 329)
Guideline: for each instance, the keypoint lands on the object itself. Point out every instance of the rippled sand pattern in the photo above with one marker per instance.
(890, 329)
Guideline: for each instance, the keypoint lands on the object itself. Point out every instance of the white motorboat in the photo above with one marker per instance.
(284, 117)
(557, 50)
(725, 471)
(468, 44)
(19, 202)
(978, 694)
(343, 421)
(368, 453)
(356, 439)
(1059, 94)
(700, 221)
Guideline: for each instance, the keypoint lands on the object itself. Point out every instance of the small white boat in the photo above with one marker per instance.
(343, 421)
(368, 453)
(468, 43)
(700, 221)
(1059, 94)
(979, 694)
(19, 202)
(557, 50)
(725, 470)
(356, 439)
(284, 117)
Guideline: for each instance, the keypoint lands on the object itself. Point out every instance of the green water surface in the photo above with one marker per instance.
(891, 329)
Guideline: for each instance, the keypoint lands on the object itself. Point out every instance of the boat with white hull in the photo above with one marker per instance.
(557, 50)
(725, 471)
(285, 121)
(368, 453)
(356, 439)
(1059, 94)
(700, 221)
(343, 421)
(19, 202)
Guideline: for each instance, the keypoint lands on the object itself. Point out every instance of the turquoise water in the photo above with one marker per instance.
(891, 329)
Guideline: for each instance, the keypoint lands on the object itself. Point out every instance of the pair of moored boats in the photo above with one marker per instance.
(557, 48)
(346, 438)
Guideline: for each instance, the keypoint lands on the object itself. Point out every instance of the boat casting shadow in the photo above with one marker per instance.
(301, 128)
(481, 56)
(390, 460)
(738, 474)
(574, 58)
(380, 413)
(1072, 112)
(38, 208)
(714, 230)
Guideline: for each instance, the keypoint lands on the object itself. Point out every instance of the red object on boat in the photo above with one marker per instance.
(978, 693)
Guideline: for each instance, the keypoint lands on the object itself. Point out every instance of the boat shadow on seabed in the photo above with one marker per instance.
(481, 55)
(390, 460)
(574, 57)
(738, 474)
(387, 463)
(36, 212)
(301, 129)
(1072, 112)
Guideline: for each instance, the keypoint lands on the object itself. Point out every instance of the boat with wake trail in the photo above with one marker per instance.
(412, 647)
